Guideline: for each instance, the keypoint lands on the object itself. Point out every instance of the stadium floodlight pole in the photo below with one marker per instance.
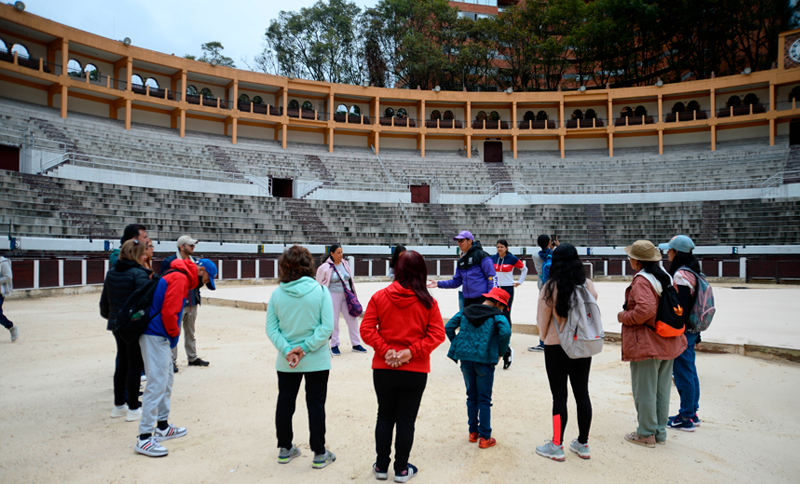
(126, 41)
(19, 6)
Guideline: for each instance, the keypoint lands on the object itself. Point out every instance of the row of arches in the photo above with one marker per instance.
(76, 69)
(245, 99)
(18, 49)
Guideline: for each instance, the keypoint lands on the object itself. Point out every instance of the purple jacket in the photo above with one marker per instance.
(475, 274)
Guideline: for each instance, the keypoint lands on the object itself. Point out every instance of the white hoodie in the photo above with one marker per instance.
(6, 285)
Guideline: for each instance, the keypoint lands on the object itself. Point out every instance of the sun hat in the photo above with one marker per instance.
(211, 269)
(681, 243)
(498, 294)
(185, 239)
(464, 234)
(643, 250)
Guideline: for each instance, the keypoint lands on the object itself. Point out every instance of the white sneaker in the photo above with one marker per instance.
(150, 447)
(14, 333)
(119, 411)
(171, 432)
(134, 415)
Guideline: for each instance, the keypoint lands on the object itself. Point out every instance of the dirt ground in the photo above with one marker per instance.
(56, 399)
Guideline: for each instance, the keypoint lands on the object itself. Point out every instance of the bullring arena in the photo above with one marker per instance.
(134, 140)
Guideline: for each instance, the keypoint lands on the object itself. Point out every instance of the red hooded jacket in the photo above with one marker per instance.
(396, 320)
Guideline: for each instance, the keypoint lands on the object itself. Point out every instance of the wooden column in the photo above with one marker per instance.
(377, 142)
(233, 134)
(330, 137)
(610, 145)
(422, 142)
(514, 143)
(713, 102)
(421, 115)
(330, 109)
(561, 117)
(468, 121)
(64, 101)
(128, 113)
(469, 141)
(514, 116)
(183, 85)
(183, 123)
(129, 73)
(714, 137)
(285, 131)
(772, 107)
(64, 76)
(660, 140)
(660, 110)
(285, 103)
(561, 139)
(235, 94)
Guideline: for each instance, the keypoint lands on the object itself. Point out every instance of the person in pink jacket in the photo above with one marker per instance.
(335, 274)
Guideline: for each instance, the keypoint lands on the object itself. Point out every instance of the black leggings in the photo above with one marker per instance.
(128, 374)
(399, 395)
(560, 366)
(316, 394)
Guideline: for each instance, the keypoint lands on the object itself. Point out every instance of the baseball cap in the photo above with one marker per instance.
(498, 294)
(185, 239)
(681, 243)
(464, 234)
(211, 269)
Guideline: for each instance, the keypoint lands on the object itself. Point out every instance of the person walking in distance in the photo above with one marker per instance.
(299, 323)
(334, 274)
(504, 264)
(186, 247)
(403, 324)
(542, 262)
(162, 334)
(555, 304)
(475, 272)
(6, 286)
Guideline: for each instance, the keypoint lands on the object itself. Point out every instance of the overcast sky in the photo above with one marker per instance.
(175, 26)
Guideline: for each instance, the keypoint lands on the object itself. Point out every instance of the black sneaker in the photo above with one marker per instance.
(335, 351)
(198, 362)
(407, 474)
(359, 349)
(508, 358)
(174, 367)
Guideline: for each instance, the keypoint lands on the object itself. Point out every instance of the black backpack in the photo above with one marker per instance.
(134, 316)
(670, 316)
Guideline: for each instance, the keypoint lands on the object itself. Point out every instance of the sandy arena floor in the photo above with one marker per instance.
(57, 396)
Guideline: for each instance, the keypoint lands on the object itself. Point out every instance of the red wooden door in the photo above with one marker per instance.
(420, 194)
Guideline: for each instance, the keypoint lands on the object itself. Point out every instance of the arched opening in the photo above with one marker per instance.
(3, 46)
(678, 107)
(388, 113)
(626, 112)
(590, 114)
(136, 80)
(734, 101)
(307, 106)
(206, 93)
(480, 116)
(152, 83)
(435, 114)
(529, 116)
(448, 115)
(494, 116)
(20, 50)
(293, 104)
(341, 109)
(244, 99)
(191, 91)
(795, 94)
(355, 110)
(258, 100)
(74, 68)
(577, 114)
(402, 113)
(541, 116)
(92, 71)
(750, 99)
(693, 106)
(640, 111)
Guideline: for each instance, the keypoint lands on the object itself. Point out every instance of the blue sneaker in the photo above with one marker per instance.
(359, 349)
(335, 351)
(407, 474)
(678, 423)
(695, 419)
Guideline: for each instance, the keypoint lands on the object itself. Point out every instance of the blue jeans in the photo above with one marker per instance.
(3, 319)
(479, 378)
(684, 372)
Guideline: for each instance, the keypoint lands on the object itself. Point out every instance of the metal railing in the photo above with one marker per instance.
(410, 222)
(383, 167)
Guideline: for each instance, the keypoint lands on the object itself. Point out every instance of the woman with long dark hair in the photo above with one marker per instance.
(685, 270)
(403, 324)
(649, 354)
(555, 303)
(333, 272)
(398, 252)
(299, 323)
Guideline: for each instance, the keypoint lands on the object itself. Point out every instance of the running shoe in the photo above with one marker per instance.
(551, 451)
(150, 447)
(335, 351)
(508, 358)
(286, 455)
(407, 474)
(323, 460)
(171, 432)
(581, 449)
(359, 349)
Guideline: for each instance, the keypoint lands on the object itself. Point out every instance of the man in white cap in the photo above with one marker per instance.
(185, 250)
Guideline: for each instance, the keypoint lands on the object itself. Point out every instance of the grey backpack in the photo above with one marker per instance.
(582, 335)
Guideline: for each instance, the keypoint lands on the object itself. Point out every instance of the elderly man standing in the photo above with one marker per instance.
(185, 250)
(475, 273)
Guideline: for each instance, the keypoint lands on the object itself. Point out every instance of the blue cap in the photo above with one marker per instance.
(464, 234)
(681, 243)
(211, 269)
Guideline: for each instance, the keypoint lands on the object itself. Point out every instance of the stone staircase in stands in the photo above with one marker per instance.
(443, 221)
(313, 227)
(594, 224)
(222, 159)
(56, 134)
(499, 174)
(315, 162)
(792, 166)
(70, 209)
(709, 223)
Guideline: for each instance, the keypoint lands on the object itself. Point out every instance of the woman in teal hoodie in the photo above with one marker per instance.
(299, 323)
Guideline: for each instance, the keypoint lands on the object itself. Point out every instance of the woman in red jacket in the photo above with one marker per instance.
(403, 324)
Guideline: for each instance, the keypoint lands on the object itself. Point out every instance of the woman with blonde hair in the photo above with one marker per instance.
(127, 275)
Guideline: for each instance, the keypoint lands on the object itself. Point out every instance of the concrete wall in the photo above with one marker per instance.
(360, 196)
(24, 93)
(635, 142)
(742, 133)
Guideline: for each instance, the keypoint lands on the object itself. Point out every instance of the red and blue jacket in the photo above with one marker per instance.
(505, 269)
(169, 300)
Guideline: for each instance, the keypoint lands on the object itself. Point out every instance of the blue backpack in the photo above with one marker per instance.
(544, 275)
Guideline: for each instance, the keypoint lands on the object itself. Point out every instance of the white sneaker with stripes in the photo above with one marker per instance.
(150, 447)
(171, 432)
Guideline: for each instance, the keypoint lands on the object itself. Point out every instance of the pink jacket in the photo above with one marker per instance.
(325, 270)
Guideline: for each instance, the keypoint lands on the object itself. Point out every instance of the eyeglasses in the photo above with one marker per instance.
(151, 247)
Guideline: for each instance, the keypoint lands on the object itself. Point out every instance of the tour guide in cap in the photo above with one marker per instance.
(475, 272)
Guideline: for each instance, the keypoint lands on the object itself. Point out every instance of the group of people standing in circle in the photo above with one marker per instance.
(403, 324)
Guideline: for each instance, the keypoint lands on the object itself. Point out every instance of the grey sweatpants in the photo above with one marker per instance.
(158, 368)
(189, 343)
(651, 382)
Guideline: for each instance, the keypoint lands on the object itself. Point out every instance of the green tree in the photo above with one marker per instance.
(212, 53)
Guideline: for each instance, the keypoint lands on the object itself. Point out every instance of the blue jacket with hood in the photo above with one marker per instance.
(475, 274)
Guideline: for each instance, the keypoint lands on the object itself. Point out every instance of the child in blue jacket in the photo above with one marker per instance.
(482, 339)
